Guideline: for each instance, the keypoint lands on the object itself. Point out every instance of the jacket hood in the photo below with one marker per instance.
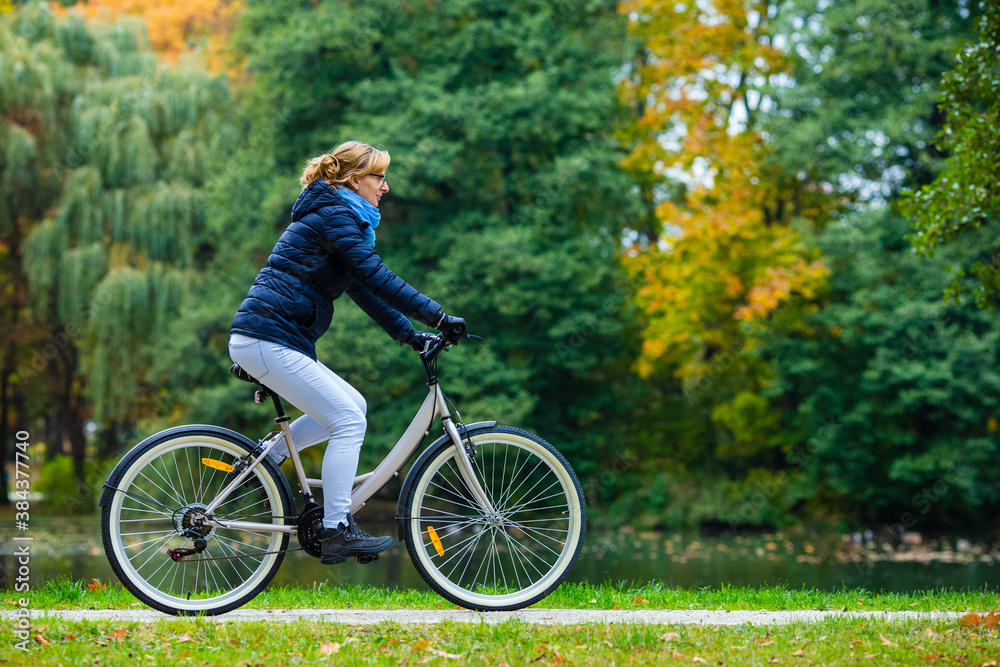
(318, 194)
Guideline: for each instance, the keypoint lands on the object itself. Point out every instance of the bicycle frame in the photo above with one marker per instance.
(368, 484)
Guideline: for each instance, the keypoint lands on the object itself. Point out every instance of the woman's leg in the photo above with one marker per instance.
(332, 407)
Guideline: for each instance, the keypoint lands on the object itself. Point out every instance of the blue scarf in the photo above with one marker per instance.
(364, 210)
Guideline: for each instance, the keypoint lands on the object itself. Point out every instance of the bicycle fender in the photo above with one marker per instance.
(191, 429)
(424, 455)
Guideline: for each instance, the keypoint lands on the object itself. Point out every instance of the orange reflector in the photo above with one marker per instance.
(218, 465)
(436, 540)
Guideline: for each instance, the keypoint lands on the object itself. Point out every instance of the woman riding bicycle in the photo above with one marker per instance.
(327, 250)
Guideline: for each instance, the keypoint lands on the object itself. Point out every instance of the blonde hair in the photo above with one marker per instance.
(351, 158)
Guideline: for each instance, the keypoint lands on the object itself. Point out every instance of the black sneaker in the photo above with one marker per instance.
(343, 542)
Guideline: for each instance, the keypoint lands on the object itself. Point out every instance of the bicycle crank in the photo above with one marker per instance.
(310, 526)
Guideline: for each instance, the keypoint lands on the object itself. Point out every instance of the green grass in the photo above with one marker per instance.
(840, 641)
(63, 593)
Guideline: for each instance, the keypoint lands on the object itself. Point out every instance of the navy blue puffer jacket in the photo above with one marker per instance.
(320, 255)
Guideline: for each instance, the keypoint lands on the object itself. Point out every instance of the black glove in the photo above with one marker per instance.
(452, 327)
(417, 339)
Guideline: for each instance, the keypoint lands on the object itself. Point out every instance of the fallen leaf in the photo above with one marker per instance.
(593, 601)
(69, 638)
(669, 636)
(799, 653)
(326, 648)
(970, 620)
(929, 632)
(856, 642)
(41, 640)
(931, 656)
(762, 642)
(697, 659)
(886, 642)
(640, 600)
(184, 638)
(677, 655)
(991, 620)
(442, 654)
(617, 606)
(421, 644)
(96, 585)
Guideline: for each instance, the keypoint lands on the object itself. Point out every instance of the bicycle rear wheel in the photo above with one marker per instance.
(159, 491)
(518, 555)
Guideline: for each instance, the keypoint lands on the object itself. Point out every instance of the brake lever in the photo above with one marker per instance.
(473, 337)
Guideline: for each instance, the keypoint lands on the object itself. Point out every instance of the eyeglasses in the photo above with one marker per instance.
(380, 177)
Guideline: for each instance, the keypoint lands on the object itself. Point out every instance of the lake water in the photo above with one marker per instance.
(72, 547)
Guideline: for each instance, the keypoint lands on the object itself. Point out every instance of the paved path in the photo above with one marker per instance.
(541, 616)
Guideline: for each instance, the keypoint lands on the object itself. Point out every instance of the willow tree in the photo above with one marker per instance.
(34, 85)
(107, 261)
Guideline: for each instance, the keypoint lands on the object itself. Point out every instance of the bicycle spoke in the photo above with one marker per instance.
(233, 559)
(174, 499)
(518, 555)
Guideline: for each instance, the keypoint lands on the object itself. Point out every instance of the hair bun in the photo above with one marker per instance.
(330, 166)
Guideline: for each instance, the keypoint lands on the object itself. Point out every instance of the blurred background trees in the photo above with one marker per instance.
(678, 227)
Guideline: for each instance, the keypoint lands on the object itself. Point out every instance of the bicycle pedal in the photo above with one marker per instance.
(367, 559)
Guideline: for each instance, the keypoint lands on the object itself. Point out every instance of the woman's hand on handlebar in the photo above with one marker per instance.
(418, 340)
(453, 328)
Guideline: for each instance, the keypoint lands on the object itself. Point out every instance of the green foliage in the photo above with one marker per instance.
(896, 388)
(63, 492)
(859, 115)
(966, 195)
(506, 201)
(139, 202)
(110, 256)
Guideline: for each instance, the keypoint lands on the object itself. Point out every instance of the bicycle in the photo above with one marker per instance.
(493, 517)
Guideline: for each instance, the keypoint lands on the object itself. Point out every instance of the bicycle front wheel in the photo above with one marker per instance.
(159, 493)
(514, 557)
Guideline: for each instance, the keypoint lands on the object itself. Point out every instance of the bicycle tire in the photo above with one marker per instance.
(533, 542)
(167, 469)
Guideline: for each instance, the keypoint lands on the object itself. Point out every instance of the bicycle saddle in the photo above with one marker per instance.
(241, 374)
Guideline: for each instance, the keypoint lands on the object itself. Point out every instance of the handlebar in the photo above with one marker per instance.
(440, 342)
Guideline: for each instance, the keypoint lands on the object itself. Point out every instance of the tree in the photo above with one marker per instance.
(801, 113)
(965, 197)
(894, 391)
(506, 196)
(108, 220)
(860, 118)
(176, 27)
(721, 260)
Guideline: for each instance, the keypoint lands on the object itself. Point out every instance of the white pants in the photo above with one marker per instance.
(334, 411)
